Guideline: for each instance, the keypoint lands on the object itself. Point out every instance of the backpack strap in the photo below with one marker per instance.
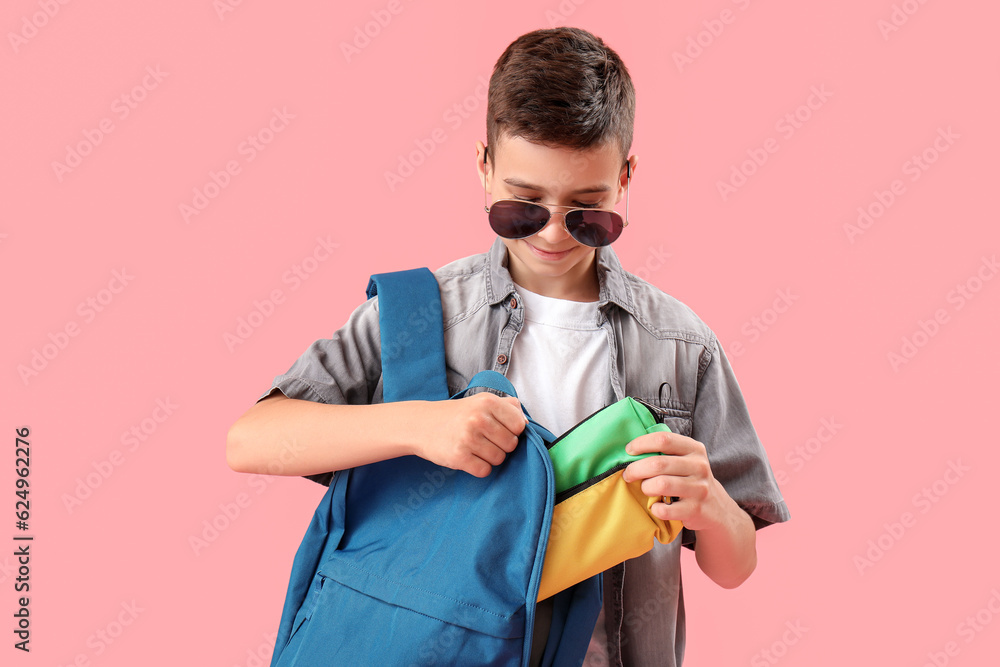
(411, 330)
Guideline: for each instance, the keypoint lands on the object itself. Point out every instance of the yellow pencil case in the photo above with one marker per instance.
(599, 520)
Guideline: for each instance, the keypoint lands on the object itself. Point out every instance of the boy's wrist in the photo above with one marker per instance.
(408, 427)
(726, 547)
(725, 514)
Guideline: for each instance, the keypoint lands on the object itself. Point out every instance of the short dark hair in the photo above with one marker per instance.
(561, 87)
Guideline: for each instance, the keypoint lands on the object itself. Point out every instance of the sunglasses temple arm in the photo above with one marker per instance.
(628, 187)
(486, 205)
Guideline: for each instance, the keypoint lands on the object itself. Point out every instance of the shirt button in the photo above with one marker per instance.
(502, 359)
(513, 303)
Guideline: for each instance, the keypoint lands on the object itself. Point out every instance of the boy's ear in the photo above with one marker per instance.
(627, 174)
(481, 164)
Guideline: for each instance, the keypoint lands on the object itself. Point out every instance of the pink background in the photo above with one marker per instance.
(869, 571)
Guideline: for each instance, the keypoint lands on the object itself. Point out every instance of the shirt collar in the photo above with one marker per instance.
(611, 277)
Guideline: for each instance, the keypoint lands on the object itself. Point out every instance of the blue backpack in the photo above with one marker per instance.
(406, 562)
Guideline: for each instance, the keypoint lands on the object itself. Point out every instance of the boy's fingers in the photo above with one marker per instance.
(490, 453)
(650, 442)
(510, 415)
(494, 436)
(477, 467)
(502, 437)
(499, 437)
(484, 456)
(494, 433)
(651, 466)
(664, 442)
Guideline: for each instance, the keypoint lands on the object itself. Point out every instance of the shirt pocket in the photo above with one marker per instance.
(677, 419)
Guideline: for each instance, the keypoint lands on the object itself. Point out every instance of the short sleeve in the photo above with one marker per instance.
(722, 423)
(345, 369)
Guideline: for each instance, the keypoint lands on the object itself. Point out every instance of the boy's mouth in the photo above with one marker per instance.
(548, 255)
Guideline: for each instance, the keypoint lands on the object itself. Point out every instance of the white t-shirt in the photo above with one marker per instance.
(560, 367)
(559, 363)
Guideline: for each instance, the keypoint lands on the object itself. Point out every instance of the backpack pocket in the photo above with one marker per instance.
(368, 618)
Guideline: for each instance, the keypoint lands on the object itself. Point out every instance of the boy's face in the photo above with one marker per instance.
(552, 262)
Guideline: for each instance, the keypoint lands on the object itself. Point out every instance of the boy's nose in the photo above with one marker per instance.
(554, 230)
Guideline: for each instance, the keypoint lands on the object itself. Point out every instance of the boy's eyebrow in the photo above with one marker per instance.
(518, 183)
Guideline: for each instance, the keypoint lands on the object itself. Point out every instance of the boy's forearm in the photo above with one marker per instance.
(728, 552)
(287, 436)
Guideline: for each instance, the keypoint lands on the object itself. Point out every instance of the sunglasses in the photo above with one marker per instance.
(594, 227)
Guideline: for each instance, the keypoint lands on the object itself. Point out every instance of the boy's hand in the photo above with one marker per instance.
(472, 434)
(684, 473)
(726, 545)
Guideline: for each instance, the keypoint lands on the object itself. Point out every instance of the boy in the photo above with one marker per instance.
(550, 307)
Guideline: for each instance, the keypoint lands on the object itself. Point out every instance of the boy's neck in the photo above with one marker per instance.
(579, 284)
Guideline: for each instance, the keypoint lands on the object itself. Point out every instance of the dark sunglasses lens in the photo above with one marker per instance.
(594, 228)
(517, 220)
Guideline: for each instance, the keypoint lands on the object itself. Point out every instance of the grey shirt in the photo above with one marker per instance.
(660, 352)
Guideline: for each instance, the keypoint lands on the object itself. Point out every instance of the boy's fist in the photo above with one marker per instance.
(472, 434)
